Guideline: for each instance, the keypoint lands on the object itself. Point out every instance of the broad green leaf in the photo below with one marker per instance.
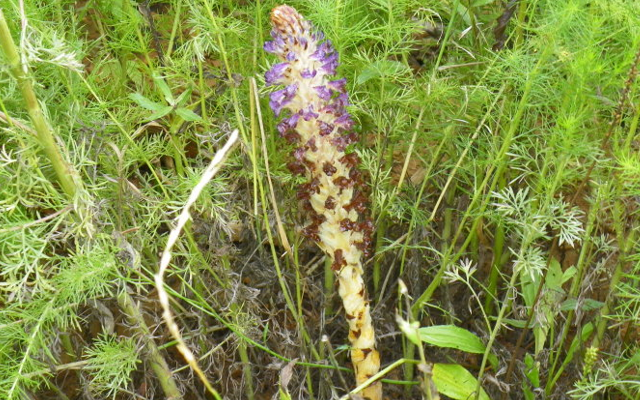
(532, 372)
(146, 103)
(183, 96)
(480, 3)
(452, 336)
(284, 394)
(164, 88)
(160, 113)
(569, 273)
(516, 323)
(410, 330)
(587, 305)
(554, 276)
(455, 381)
(546, 305)
(464, 13)
(188, 115)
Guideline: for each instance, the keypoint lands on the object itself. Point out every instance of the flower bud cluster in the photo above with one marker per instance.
(313, 105)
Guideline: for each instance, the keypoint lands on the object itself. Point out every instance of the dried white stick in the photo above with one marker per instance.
(208, 174)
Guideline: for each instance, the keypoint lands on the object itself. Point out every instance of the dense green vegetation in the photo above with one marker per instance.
(500, 141)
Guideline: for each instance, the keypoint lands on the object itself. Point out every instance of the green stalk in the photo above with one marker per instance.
(625, 243)
(329, 281)
(63, 171)
(496, 264)
(573, 293)
(158, 363)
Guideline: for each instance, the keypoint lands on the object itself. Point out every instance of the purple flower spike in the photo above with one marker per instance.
(318, 124)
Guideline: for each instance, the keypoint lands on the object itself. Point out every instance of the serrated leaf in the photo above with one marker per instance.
(452, 336)
(146, 103)
(455, 381)
(188, 115)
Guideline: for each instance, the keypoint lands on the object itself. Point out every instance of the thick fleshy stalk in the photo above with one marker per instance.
(315, 118)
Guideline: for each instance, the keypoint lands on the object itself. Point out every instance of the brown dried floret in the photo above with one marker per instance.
(330, 203)
(296, 167)
(343, 182)
(350, 160)
(338, 260)
(358, 203)
(311, 231)
(328, 168)
(348, 225)
(311, 144)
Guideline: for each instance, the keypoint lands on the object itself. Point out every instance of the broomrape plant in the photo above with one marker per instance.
(319, 124)
(501, 139)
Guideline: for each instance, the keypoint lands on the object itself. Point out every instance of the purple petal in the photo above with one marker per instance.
(275, 46)
(299, 153)
(270, 47)
(343, 100)
(338, 85)
(323, 92)
(281, 98)
(275, 74)
(341, 142)
(330, 63)
(345, 122)
(291, 56)
(331, 108)
(322, 51)
(288, 124)
(308, 113)
(325, 128)
(306, 74)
